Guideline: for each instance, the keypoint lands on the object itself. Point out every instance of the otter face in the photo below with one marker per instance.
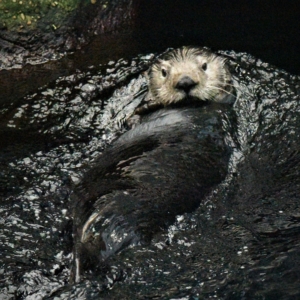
(189, 73)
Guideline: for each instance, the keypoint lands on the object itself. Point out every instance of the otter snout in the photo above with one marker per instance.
(185, 83)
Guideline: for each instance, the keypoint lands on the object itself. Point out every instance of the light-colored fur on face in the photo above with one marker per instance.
(208, 71)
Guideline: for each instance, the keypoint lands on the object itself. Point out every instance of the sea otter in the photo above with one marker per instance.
(163, 167)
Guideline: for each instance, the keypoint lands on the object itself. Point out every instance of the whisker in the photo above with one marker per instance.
(244, 92)
(227, 83)
(217, 88)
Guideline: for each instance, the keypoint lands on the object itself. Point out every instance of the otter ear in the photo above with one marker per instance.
(153, 68)
(147, 73)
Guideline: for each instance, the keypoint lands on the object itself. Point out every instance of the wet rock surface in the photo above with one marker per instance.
(240, 241)
(33, 32)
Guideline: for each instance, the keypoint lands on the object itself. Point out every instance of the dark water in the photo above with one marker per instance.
(242, 242)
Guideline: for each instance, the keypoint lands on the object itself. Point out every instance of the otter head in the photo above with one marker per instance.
(188, 73)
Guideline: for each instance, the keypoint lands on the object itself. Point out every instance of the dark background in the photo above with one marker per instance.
(266, 29)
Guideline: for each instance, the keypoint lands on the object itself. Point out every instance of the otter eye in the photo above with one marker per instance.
(164, 72)
(204, 66)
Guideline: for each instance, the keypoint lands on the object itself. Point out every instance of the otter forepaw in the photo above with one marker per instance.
(133, 121)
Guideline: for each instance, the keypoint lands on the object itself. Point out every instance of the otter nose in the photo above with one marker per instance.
(185, 83)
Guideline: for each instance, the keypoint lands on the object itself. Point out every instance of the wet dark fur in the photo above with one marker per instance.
(163, 167)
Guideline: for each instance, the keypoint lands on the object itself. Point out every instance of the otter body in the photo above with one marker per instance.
(162, 167)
